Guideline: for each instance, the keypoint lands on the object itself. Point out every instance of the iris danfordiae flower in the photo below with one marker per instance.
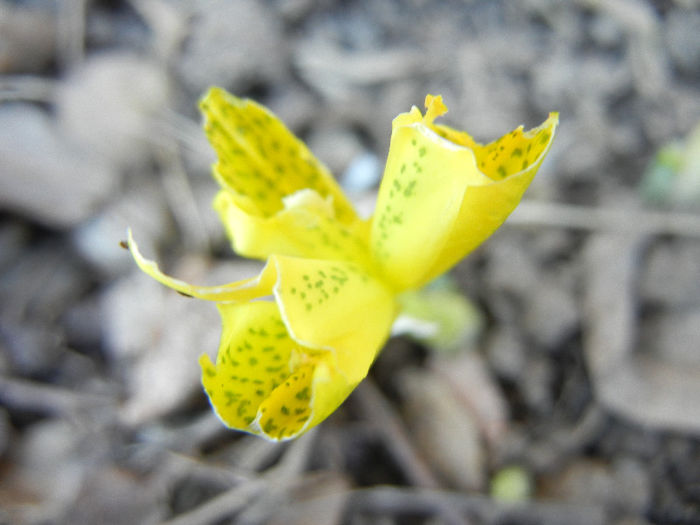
(300, 336)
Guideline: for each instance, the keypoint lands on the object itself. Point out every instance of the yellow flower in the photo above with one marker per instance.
(300, 336)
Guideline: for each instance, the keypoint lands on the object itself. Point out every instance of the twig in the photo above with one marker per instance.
(44, 399)
(426, 502)
(530, 213)
(26, 87)
(221, 506)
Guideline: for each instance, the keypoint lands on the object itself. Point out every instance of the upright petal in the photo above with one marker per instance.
(419, 198)
(260, 161)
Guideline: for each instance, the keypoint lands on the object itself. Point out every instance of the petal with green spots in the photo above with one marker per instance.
(336, 306)
(512, 153)
(306, 227)
(485, 207)
(419, 199)
(254, 358)
(260, 160)
(310, 394)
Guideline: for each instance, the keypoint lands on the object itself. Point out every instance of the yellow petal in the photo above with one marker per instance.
(260, 161)
(484, 208)
(243, 290)
(335, 306)
(254, 359)
(306, 227)
(419, 200)
(283, 367)
(312, 393)
(263, 381)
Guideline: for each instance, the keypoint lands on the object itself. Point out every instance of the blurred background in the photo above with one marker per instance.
(561, 381)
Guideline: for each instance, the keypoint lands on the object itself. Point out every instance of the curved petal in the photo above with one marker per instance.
(308, 396)
(306, 227)
(254, 358)
(419, 200)
(244, 290)
(260, 161)
(485, 207)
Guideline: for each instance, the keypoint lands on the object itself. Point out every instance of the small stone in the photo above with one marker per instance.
(101, 107)
(669, 277)
(110, 495)
(551, 314)
(506, 351)
(42, 176)
(233, 43)
(536, 384)
(672, 336)
(682, 32)
(623, 486)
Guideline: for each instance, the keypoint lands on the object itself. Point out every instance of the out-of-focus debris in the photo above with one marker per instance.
(110, 495)
(424, 502)
(49, 466)
(394, 433)
(27, 38)
(335, 146)
(683, 39)
(636, 386)
(222, 48)
(673, 176)
(605, 219)
(444, 429)
(336, 73)
(143, 210)
(472, 385)
(624, 487)
(167, 21)
(4, 431)
(319, 500)
(669, 277)
(552, 314)
(107, 106)
(511, 484)
(72, 22)
(158, 351)
(43, 176)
